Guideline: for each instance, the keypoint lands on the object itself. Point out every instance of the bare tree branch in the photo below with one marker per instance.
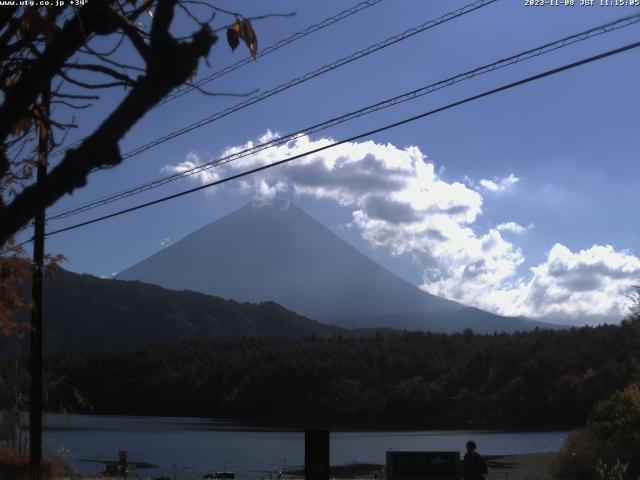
(6, 14)
(12, 28)
(71, 105)
(161, 21)
(170, 64)
(110, 61)
(221, 94)
(91, 86)
(103, 55)
(35, 78)
(74, 96)
(102, 69)
(64, 52)
(134, 36)
(37, 26)
(65, 133)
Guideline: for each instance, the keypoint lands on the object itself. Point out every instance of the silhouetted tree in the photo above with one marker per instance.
(61, 56)
(633, 313)
(525, 380)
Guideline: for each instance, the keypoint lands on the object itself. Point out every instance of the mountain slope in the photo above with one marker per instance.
(83, 312)
(278, 252)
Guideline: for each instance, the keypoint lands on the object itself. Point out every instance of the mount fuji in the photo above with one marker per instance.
(274, 251)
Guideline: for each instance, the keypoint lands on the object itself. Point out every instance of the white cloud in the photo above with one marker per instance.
(401, 204)
(499, 185)
(265, 191)
(591, 280)
(567, 286)
(191, 163)
(512, 227)
(165, 242)
(387, 182)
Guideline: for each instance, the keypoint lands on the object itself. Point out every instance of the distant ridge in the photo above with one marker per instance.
(470, 318)
(276, 252)
(84, 312)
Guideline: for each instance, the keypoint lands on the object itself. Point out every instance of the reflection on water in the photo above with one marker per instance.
(198, 445)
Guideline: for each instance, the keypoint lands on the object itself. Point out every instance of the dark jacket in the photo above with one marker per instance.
(474, 466)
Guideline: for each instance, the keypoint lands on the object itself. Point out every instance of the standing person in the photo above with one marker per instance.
(474, 466)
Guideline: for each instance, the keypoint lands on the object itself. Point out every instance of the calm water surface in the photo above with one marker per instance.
(198, 446)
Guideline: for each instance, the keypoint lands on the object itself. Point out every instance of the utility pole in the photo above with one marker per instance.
(35, 406)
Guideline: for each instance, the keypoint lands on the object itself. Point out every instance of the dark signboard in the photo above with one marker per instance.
(423, 465)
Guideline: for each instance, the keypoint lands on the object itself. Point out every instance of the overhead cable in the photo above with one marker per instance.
(310, 75)
(237, 176)
(272, 48)
(263, 52)
(522, 56)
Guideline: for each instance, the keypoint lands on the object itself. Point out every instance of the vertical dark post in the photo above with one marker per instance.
(316, 455)
(122, 462)
(35, 408)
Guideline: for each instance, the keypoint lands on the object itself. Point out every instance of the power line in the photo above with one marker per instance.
(531, 53)
(272, 48)
(311, 75)
(266, 51)
(356, 137)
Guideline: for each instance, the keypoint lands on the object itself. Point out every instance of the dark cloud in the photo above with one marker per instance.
(488, 244)
(540, 295)
(559, 269)
(391, 211)
(436, 234)
(580, 283)
(583, 277)
(474, 270)
(369, 175)
(452, 210)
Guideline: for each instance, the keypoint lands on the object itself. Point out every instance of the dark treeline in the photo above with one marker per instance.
(539, 379)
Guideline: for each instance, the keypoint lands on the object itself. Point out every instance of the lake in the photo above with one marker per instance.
(198, 445)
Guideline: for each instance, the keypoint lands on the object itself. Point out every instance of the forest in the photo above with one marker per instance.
(539, 379)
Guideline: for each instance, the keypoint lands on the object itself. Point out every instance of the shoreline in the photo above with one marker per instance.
(356, 425)
(520, 466)
(528, 466)
(517, 466)
(300, 425)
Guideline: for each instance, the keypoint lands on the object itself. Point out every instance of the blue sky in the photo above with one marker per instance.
(521, 203)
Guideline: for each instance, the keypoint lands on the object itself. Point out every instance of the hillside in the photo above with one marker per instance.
(83, 312)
